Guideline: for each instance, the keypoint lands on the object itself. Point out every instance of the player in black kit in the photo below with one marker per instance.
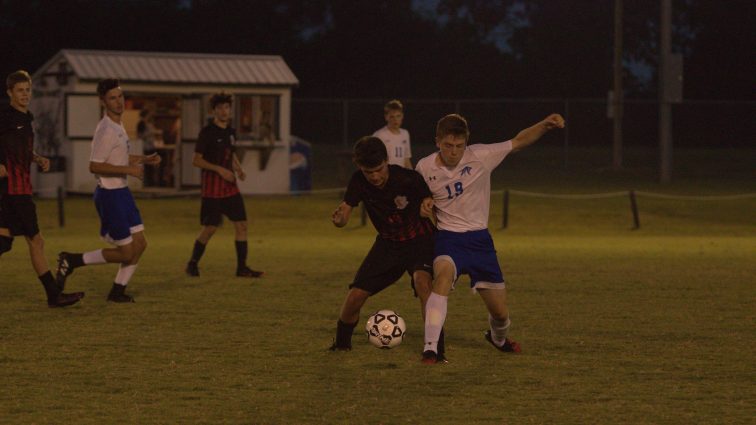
(392, 196)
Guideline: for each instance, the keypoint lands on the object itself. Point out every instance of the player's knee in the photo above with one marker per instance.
(6, 243)
(126, 252)
(241, 227)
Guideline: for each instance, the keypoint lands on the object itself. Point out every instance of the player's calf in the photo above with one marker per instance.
(6, 243)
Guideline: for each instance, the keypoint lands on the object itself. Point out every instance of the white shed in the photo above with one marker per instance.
(174, 90)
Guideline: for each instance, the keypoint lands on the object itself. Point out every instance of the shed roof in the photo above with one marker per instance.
(176, 68)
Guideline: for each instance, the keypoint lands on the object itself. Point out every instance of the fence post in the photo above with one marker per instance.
(634, 209)
(505, 210)
(61, 214)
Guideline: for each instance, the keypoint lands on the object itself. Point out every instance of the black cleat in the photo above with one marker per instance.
(247, 272)
(429, 357)
(117, 295)
(441, 358)
(63, 270)
(509, 346)
(63, 300)
(335, 347)
(192, 269)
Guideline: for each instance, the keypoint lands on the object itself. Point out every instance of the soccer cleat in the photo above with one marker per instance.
(192, 269)
(441, 358)
(247, 272)
(509, 346)
(63, 270)
(335, 347)
(63, 300)
(117, 295)
(430, 357)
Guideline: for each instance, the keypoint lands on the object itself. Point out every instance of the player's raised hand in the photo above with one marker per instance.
(554, 121)
(226, 174)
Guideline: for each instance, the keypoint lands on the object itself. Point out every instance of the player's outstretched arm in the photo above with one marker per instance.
(529, 135)
(340, 217)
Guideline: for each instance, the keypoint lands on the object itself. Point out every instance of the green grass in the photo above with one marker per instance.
(653, 326)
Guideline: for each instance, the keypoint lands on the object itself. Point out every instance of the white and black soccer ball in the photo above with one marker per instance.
(385, 329)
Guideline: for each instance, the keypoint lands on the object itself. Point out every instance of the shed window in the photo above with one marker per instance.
(257, 117)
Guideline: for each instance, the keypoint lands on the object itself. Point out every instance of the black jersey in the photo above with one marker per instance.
(216, 145)
(395, 208)
(16, 150)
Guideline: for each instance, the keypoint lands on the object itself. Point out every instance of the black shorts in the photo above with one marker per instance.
(213, 210)
(388, 260)
(19, 215)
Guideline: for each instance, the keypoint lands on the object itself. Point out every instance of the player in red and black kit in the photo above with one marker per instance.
(215, 155)
(18, 214)
(392, 196)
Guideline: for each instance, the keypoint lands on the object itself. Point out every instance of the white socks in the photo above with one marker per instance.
(93, 257)
(124, 274)
(499, 330)
(435, 315)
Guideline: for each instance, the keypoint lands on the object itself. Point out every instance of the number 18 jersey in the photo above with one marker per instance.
(462, 195)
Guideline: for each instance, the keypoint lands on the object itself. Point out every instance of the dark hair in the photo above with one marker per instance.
(106, 85)
(220, 98)
(369, 152)
(393, 105)
(452, 124)
(14, 78)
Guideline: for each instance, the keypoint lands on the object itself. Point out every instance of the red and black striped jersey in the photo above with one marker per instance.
(216, 145)
(16, 150)
(394, 209)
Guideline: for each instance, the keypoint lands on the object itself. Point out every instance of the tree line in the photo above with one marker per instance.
(411, 48)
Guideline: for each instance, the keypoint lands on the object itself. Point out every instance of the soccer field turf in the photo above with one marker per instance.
(648, 326)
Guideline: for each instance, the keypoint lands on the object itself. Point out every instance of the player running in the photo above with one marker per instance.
(120, 221)
(460, 178)
(392, 196)
(18, 213)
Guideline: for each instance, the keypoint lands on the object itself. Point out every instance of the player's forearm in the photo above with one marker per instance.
(202, 163)
(528, 136)
(105, 169)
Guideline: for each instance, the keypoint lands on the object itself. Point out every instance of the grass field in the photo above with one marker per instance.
(648, 326)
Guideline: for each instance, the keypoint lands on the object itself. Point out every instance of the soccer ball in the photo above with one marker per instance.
(385, 329)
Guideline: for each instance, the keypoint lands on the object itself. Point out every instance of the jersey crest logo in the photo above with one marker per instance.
(401, 202)
(465, 170)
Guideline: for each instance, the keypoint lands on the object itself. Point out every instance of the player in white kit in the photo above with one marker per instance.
(396, 139)
(120, 221)
(459, 176)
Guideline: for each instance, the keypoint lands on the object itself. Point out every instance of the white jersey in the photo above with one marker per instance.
(110, 145)
(462, 195)
(397, 145)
